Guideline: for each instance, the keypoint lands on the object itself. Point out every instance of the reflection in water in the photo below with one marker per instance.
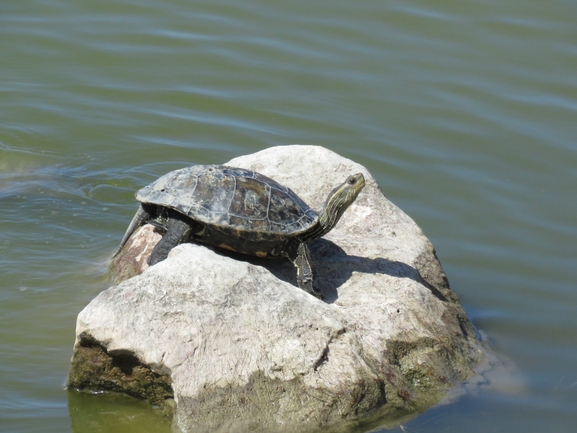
(109, 413)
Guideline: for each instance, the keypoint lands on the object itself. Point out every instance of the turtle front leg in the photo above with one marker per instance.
(178, 230)
(302, 262)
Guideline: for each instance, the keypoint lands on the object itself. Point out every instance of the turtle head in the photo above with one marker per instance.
(338, 202)
(345, 194)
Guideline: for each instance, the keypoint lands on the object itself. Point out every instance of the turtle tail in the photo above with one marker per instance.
(140, 218)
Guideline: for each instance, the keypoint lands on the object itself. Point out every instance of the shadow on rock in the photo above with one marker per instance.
(333, 267)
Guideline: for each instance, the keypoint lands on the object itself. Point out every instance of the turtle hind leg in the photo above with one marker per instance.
(305, 273)
(178, 230)
(142, 216)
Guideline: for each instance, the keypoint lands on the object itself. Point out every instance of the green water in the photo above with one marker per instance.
(464, 111)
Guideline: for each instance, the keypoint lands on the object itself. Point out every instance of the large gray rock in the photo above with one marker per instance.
(237, 346)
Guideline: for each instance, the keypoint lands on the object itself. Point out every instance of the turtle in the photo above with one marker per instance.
(239, 210)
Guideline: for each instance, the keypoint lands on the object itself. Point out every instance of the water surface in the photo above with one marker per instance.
(465, 112)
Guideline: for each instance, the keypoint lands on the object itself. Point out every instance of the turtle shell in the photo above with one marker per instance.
(232, 205)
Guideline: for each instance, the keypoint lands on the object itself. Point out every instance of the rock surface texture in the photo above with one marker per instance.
(234, 345)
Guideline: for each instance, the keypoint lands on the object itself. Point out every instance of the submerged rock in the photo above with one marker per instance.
(234, 345)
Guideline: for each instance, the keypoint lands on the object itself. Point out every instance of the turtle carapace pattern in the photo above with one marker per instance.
(240, 210)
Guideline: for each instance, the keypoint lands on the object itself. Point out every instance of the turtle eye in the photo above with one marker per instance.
(352, 181)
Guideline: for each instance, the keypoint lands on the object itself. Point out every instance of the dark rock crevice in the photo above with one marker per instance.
(95, 368)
